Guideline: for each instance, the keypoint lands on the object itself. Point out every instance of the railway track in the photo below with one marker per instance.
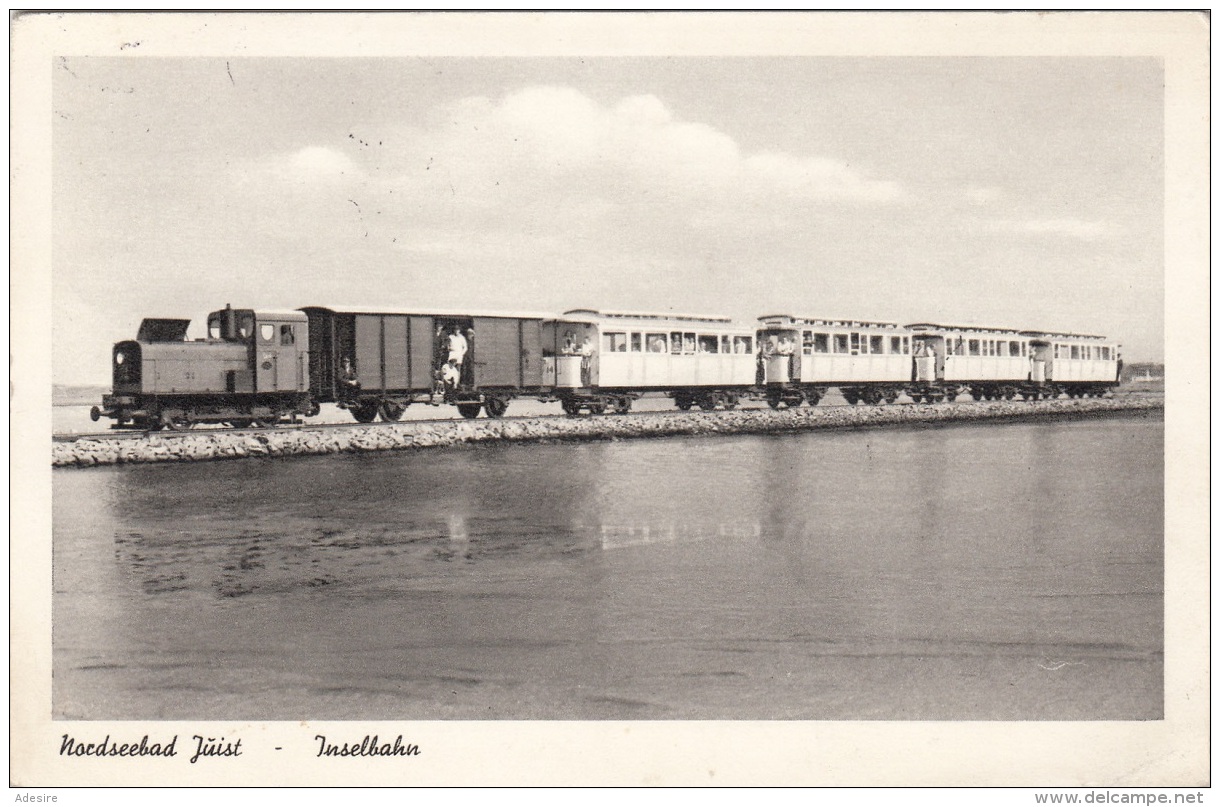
(136, 434)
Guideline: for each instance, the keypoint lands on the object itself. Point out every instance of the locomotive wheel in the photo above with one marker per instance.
(851, 398)
(495, 407)
(391, 411)
(812, 398)
(365, 413)
(150, 424)
(181, 423)
(773, 401)
(313, 409)
(622, 406)
(950, 396)
(708, 403)
(571, 407)
(599, 408)
(241, 423)
(470, 411)
(890, 397)
(684, 403)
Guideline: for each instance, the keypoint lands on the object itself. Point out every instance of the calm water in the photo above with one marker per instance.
(987, 572)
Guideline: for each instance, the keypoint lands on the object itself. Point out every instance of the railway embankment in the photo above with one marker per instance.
(219, 444)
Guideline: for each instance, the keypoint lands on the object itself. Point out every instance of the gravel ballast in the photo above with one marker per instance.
(306, 441)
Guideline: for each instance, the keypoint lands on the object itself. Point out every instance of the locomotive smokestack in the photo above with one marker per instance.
(229, 326)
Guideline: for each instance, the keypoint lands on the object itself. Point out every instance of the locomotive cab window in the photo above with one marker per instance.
(213, 327)
(245, 326)
(287, 335)
(266, 332)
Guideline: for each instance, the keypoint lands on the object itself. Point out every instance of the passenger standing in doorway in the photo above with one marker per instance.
(457, 354)
(586, 360)
(468, 362)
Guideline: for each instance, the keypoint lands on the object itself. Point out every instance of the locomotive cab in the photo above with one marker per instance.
(251, 367)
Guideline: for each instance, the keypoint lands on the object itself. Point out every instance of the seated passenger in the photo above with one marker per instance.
(348, 374)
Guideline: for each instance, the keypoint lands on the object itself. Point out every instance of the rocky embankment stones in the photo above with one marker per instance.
(218, 444)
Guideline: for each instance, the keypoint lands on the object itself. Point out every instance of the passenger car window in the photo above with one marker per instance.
(636, 343)
(973, 346)
(675, 342)
(658, 343)
(840, 343)
(821, 343)
(614, 343)
(876, 344)
(709, 344)
(743, 344)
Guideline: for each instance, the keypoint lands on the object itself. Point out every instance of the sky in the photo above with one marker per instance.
(1011, 192)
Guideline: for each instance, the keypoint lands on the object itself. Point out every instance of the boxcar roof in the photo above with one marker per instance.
(455, 313)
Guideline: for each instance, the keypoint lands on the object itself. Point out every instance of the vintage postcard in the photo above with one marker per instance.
(617, 399)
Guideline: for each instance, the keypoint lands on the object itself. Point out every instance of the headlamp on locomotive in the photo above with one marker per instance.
(251, 368)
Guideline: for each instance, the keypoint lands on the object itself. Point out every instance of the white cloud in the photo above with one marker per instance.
(544, 137)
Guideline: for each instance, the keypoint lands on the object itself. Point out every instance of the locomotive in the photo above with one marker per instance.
(260, 367)
(249, 370)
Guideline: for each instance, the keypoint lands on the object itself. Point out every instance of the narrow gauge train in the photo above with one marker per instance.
(874, 361)
(261, 366)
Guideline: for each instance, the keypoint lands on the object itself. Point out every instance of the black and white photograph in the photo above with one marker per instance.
(517, 398)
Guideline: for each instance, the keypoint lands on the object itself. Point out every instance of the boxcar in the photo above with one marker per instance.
(801, 358)
(605, 360)
(374, 361)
